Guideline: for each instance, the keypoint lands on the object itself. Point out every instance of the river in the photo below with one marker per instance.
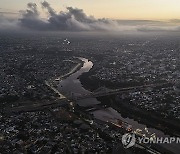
(71, 86)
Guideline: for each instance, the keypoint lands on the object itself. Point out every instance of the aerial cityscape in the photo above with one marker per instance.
(71, 83)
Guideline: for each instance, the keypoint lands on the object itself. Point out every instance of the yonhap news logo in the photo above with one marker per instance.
(128, 140)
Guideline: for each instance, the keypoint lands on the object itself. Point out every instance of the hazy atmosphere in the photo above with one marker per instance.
(61, 15)
(89, 76)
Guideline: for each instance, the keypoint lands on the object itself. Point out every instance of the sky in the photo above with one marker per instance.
(90, 15)
(114, 9)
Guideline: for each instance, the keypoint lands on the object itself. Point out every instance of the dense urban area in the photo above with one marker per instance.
(140, 62)
(35, 119)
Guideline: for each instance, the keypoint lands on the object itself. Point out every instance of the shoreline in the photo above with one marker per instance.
(73, 70)
(53, 81)
(135, 113)
(144, 117)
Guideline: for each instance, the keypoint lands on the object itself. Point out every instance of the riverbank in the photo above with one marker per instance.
(152, 120)
(53, 83)
(73, 70)
(72, 87)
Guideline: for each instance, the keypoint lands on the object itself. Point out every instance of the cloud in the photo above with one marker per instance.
(48, 7)
(31, 18)
(158, 28)
(4, 12)
(75, 19)
(8, 23)
(7, 12)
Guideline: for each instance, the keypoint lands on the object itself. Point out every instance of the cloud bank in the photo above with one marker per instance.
(74, 19)
(8, 23)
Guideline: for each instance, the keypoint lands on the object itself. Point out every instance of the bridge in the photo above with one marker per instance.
(102, 91)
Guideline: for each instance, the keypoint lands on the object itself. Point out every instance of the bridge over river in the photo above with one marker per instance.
(102, 91)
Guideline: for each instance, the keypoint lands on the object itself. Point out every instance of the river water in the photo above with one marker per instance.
(71, 86)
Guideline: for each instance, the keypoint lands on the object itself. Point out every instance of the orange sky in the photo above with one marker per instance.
(115, 9)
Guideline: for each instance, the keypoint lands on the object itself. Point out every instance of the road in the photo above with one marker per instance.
(116, 91)
(39, 106)
(61, 96)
